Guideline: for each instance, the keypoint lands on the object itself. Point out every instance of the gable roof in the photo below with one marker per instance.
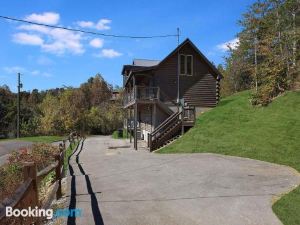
(188, 41)
(140, 65)
(133, 68)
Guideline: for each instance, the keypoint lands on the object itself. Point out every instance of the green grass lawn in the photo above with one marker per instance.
(44, 139)
(68, 153)
(236, 128)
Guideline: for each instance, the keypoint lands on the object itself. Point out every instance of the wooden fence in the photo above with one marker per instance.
(27, 194)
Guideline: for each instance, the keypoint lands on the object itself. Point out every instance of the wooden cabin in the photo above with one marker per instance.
(163, 98)
(115, 95)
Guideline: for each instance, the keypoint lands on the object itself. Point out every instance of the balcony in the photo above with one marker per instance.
(141, 94)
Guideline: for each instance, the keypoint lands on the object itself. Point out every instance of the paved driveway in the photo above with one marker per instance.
(7, 147)
(116, 185)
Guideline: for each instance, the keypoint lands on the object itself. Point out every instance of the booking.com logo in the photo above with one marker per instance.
(48, 213)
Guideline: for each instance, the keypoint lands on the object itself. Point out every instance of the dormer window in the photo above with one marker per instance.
(186, 65)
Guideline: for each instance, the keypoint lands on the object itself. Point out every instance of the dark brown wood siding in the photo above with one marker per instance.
(201, 92)
(165, 77)
(197, 90)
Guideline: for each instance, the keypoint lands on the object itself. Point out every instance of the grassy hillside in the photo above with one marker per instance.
(44, 139)
(266, 133)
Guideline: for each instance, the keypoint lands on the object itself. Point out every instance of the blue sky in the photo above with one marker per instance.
(50, 58)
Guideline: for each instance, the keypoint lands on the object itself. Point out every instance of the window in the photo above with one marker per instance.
(182, 64)
(186, 64)
(189, 65)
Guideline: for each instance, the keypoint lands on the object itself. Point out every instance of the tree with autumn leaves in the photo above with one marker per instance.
(267, 57)
(87, 109)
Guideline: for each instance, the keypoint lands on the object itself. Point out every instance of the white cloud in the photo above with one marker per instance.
(22, 70)
(33, 27)
(44, 61)
(63, 41)
(14, 69)
(57, 41)
(109, 53)
(226, 46)
(102, 24)
(85, 24)
(39, 73)
(28, 39)
(50, 18)
(97, 43)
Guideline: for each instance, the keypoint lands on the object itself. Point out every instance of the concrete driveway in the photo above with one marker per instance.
(115, 185)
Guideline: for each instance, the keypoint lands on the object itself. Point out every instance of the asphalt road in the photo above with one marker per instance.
(7, 147)
(115, 185)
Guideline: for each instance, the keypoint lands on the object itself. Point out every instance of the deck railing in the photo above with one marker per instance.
(141, 93)
(185, 117)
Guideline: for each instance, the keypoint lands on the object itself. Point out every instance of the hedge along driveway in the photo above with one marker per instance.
(9, 145)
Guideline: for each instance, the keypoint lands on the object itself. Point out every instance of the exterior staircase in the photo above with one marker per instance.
(172, 128)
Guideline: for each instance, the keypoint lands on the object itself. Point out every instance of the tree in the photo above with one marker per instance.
(266, 58)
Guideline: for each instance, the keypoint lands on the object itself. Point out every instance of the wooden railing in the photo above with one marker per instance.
(27, 194)
(141, 93)
(130, 124)
(163, 127)
(170, 126)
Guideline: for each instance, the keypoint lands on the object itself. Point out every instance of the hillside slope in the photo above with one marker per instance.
(236, 128)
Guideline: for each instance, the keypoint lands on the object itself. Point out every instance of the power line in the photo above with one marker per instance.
(87, 32)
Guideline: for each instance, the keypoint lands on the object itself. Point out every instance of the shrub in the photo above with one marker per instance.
(11, 173)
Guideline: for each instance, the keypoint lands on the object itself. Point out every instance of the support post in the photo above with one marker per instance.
(30, 171)
(178, 72)
(130, 125)
(127, 119)
(135, 126)
(154, 117)
(18, 105)
(58, 176)
(62, 152)
(182, 119)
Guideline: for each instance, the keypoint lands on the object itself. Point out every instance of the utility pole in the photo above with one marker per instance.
(178, 68)
(178, 36)
(18, 105)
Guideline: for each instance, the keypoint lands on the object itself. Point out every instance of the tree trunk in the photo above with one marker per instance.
(255, 63)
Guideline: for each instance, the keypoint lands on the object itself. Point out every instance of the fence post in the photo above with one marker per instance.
(30, 171)
(64, 144)
(62, 158)
(58, 175)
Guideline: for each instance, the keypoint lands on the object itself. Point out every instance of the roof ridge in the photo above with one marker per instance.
(146, 59)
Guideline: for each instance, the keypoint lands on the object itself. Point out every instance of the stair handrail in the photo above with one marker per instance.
(163, 126)
(157, 129)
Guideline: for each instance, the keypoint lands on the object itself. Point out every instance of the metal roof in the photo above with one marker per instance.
(145, 62)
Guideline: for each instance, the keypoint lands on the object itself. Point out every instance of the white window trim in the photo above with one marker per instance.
(185, 65)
